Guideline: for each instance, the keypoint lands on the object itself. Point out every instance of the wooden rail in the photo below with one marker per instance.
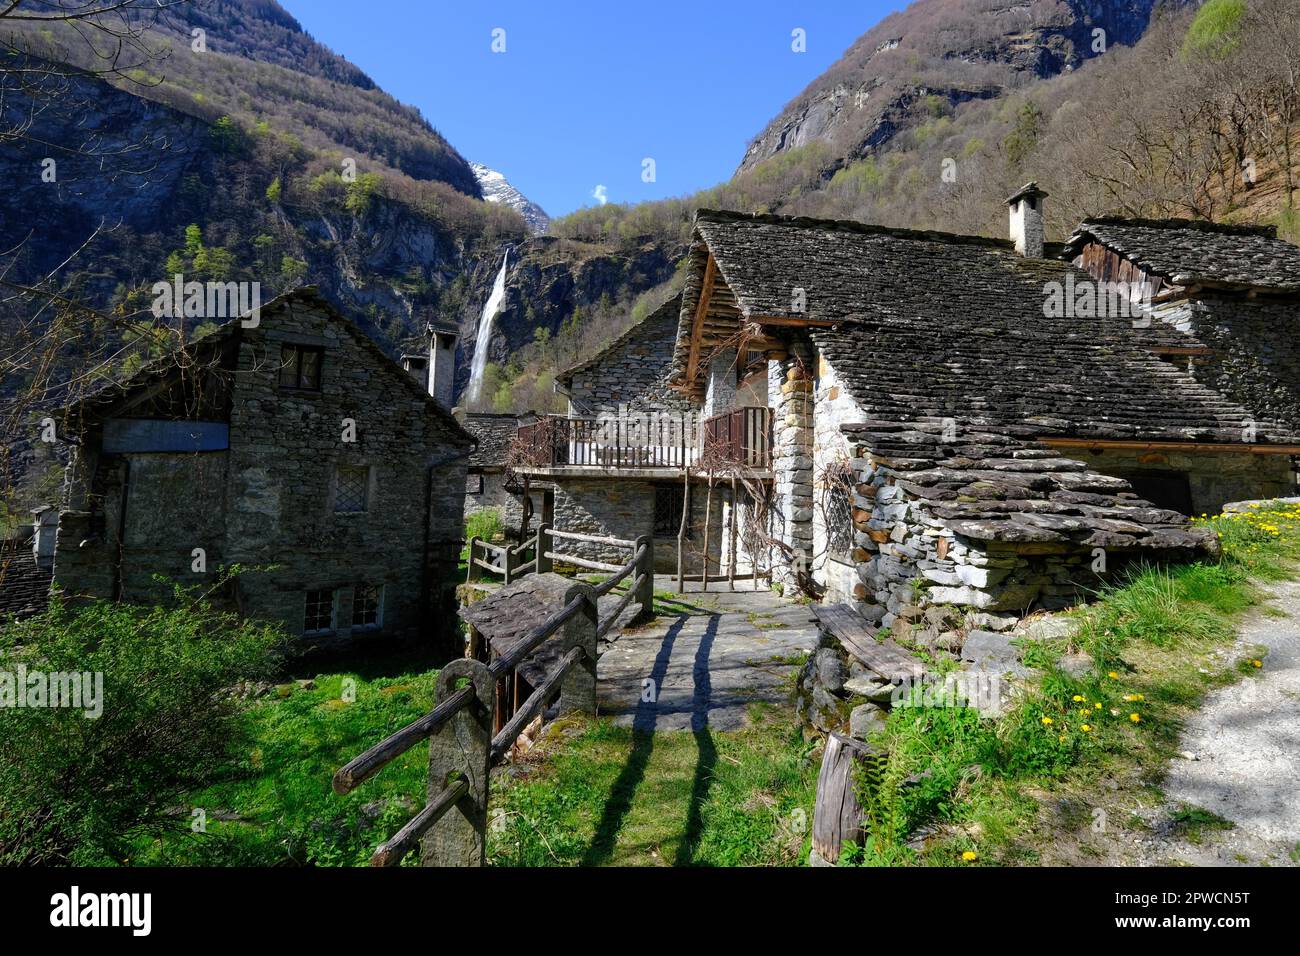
(742, 436)
(651, 440)
(462, 748)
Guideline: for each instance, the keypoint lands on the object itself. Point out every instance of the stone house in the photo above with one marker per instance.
(491, 484)
(293, 446)
(627, 459)
(943, 436)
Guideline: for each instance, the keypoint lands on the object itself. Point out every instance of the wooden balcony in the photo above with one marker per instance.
(654, 442)
(741, 437)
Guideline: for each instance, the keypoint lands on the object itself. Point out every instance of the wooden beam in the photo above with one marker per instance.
(1230, 448)
(793, 320)
(701, 310)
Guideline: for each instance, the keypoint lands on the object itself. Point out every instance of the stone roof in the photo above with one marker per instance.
(991, 484)
(931, 324)
(103, 397)
(24, 587)
(1193, 252)
(495, 433)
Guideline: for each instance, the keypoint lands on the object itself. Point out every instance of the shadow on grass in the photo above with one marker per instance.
(644, 721)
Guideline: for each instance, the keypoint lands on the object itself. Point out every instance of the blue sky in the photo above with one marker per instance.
(585, 91)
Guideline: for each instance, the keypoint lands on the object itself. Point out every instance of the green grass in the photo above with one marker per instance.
(279, 794)
(598, 794)
(1023, 789)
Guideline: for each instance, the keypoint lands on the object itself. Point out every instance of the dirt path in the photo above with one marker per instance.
(1241, 753)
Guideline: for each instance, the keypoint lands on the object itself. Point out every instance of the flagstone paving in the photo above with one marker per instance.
(705, 665)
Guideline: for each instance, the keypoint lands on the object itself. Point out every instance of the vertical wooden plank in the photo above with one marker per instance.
(459, 750)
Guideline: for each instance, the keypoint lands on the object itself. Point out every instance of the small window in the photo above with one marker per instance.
(473, 484)
(319, 618)
(839, 511)
(367, 606)
(669, 501)
(300, 367)
(352, 489)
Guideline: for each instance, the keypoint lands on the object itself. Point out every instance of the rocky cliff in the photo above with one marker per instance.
(946, 51)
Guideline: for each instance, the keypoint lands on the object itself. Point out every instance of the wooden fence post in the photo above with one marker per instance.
(469, 571)
(543, 562)
(578, 689)
(645, 589)
(460, 750)
(510, 560)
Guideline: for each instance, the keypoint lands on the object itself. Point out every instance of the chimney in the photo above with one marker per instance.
(45, 525)
(417, 366)
(1027, 220)
(442, 362)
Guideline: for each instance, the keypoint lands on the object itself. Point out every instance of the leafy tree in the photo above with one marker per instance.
(77, 790)
(1216, 30)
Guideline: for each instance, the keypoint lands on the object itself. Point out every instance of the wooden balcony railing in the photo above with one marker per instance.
(742, 436)
(653, 440)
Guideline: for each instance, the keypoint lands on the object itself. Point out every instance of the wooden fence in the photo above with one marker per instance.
(462, 747)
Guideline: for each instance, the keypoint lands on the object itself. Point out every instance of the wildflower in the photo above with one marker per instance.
(1097, 705)
(1079, 697)
(1135, 717)
(1256, 663)
(1047, 721)
(1112, 675)
(970, 856)
(1132, 697)
(1086, 727)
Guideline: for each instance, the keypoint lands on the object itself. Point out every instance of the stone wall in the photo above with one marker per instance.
(625, 509)
(831, 453)
(790, 387)
(509, 503)
(907, 558)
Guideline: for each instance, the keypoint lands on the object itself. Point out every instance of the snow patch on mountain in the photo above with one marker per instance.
(496, 188)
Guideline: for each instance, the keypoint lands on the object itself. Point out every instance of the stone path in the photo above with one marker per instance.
(708, 664)
(1241, 751)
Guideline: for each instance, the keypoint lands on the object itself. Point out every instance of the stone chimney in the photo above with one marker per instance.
(45, 525)
(442, 362)
(417, 366)
(1027, 220)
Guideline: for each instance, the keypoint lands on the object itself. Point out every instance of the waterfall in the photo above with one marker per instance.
(490, 309)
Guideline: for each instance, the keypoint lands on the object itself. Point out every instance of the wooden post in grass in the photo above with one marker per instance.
(578, 689)
(645, 587)
(459, 751)
(837, 817)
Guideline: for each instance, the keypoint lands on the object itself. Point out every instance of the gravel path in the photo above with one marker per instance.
(1241, 751)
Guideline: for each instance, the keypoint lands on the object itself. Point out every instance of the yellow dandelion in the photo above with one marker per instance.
(1256, 663)
(1097, 706)
(1112, 675)
(1135, 717)
(970, 856)
(1047, 721)
(1132, 697)
(1086, 727)
(1078, 697)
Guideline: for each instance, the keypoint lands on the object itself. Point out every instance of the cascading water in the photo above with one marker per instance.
(490, 309)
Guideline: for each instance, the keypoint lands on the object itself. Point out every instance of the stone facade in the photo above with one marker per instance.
(790, 385)
(488, 489)
(355, 483)
(625, 509)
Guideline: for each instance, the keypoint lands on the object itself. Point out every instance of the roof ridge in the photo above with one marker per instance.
(851, 225)
(1203, 225)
